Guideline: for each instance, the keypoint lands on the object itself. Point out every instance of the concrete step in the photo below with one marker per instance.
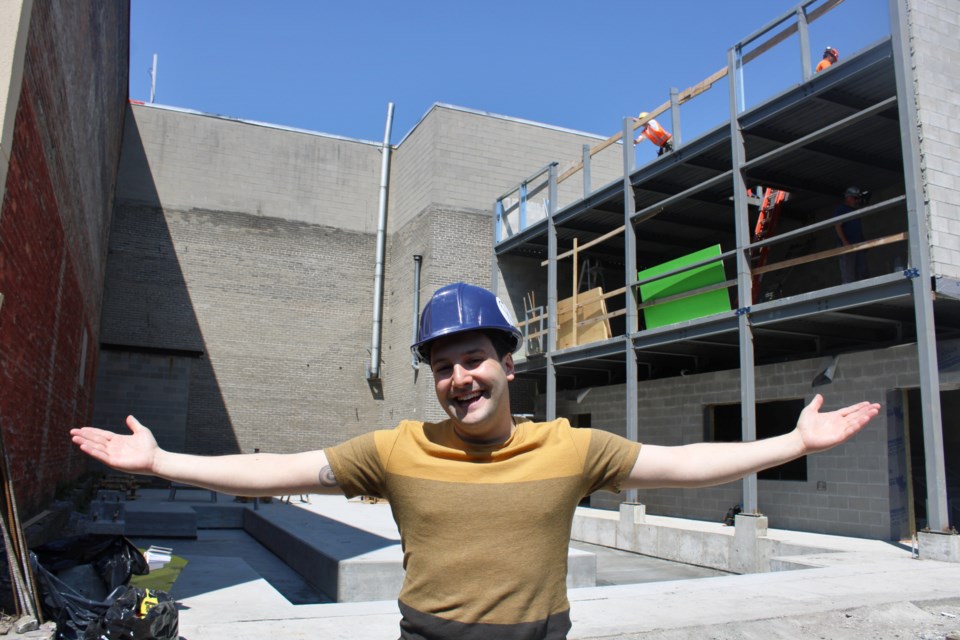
(350, 564)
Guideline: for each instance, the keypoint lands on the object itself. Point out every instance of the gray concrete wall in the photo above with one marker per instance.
(157, 385)
(14, 29)
(276, 311)
(934, 27)
(855, 499)
(251, 250)
(192, 161)
(463, 160)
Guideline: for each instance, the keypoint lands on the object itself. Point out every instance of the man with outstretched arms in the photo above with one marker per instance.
(484, 501)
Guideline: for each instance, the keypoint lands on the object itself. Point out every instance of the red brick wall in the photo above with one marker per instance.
(54, 226)
(41, 326)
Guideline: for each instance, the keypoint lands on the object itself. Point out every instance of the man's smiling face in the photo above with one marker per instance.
(471, 385)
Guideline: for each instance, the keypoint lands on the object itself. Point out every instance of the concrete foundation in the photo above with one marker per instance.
(939, 546)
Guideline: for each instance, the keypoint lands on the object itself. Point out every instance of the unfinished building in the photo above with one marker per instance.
(241, 272)
(699, 297)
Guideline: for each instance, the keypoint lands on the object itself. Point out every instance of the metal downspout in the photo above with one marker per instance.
(373, 371)
(417, 262)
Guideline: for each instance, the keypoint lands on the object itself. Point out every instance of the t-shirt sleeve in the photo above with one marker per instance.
(610, 458)
(357, 466)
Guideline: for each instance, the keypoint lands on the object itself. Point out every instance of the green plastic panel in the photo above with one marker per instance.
(696, 306)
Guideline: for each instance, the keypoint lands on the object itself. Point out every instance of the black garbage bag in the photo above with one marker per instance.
(62, 604)
(137, 614)
(113, 557)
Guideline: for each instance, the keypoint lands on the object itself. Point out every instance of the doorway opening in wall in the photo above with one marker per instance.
(722, 423)
(950, 413)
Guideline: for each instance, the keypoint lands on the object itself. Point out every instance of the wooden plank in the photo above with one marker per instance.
(573, 298)
(700, 87)
(830, 253)
(587, 245)
(590, 315)
(779, 37)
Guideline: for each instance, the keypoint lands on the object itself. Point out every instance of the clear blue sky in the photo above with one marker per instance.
(332, 66)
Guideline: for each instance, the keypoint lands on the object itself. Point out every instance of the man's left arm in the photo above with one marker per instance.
(710, 463)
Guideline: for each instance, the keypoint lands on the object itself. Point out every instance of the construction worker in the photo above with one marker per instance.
(830, 56)
(853, 266)
(656, 134)
(484, 500)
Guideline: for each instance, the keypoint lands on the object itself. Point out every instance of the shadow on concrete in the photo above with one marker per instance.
(153, 363)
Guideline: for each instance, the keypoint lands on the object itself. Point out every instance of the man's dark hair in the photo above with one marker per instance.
(502, 342)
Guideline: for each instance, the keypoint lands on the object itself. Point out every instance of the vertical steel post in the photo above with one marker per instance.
(748, 412)
(630, 270)
(523, 207)
(675, 116)
(938, 515)
(497, 222)
(803, 29)
(586, 171)
(551, 412)
(153, 80)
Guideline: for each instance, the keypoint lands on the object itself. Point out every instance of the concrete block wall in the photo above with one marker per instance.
(934, 30)
(464, 160)
(251, 249)
(187, 160)
(274, 311)
(855, 499)
(63, 146)
(155, 386)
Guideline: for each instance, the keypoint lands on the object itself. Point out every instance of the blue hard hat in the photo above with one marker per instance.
(461, 307)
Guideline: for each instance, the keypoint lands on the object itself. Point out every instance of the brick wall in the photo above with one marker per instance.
(935, 47)
(53, 228)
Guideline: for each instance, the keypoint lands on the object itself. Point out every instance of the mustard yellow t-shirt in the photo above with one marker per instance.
(485, 529)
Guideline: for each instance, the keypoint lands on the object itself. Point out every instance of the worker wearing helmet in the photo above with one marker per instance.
(830, 56)
(656, 134)
(484, 501)
(853, 266)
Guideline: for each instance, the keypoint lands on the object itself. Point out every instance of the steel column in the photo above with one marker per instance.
(675, 116)
(630, 269)
(919, 258)
(748, 412)
(803, 29)
(587, 189)
(551, 409)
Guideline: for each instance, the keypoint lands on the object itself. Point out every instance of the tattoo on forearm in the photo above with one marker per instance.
(327, 479)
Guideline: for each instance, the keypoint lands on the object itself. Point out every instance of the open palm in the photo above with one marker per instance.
(821, 431)
(133, 453)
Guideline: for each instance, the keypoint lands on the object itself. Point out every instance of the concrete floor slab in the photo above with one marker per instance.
(856, 592)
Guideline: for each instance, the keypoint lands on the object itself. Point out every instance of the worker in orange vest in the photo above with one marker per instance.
(656, 134)
(830, 55)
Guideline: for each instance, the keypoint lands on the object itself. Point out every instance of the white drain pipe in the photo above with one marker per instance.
(373, 371)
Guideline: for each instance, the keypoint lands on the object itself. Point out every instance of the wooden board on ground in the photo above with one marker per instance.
(592, 321)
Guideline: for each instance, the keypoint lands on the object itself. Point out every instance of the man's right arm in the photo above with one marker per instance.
(256, 474)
